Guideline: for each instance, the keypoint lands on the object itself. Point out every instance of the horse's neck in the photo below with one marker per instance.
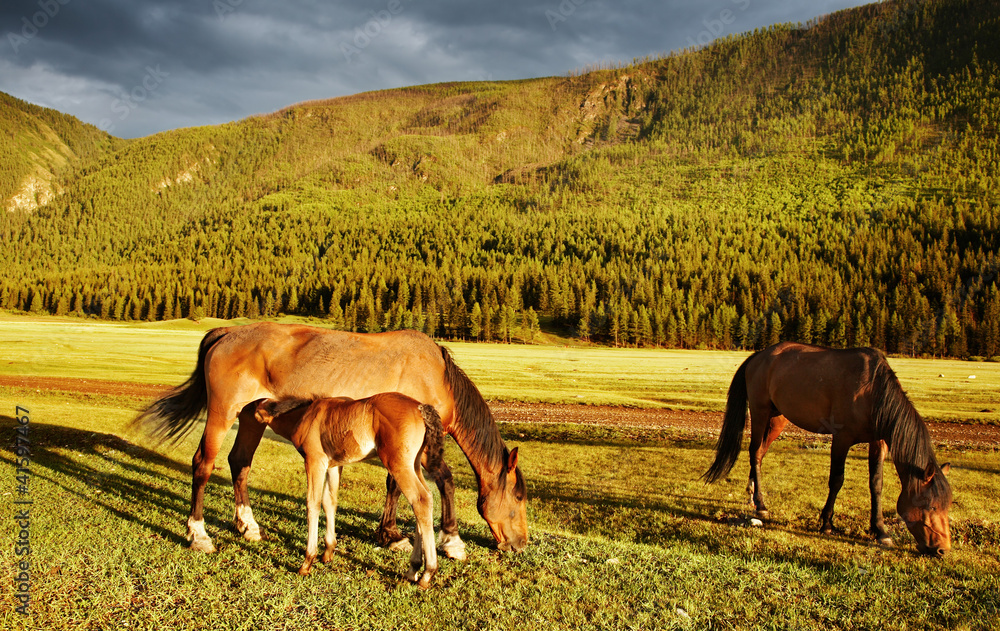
(484, 449)
(286, 425)
(910, 446)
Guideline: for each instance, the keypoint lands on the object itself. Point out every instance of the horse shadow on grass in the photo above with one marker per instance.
(710, 524)
(678, 512)
(129, 481)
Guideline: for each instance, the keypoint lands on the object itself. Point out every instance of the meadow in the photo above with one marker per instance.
(623, 533)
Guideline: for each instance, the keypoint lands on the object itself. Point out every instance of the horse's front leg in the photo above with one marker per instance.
(876, 456)
(388, 534)
(248, 437)
(838, 459)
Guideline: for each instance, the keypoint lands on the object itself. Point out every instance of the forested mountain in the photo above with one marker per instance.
(41, 148)
(834, 182)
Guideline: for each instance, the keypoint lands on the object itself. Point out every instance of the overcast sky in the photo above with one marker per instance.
(135, 67)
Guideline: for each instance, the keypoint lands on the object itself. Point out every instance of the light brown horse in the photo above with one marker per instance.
(238, 365)
(854, 395)
(330, 433)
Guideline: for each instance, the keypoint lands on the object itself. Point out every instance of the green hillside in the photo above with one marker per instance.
(835, 182)
(40, 150)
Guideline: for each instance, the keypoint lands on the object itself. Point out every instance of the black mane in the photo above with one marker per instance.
(899, 424)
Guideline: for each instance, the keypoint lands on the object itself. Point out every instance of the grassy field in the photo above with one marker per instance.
(624, 535)
(165, 353)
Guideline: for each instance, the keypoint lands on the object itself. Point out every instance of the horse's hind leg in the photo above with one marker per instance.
(838, 459)
(316, 479)
(202, 465)
(876, 455)
(330, 507)
(762, 420)
(424, 552)
(248, 437)
(451, 543)
(388, 534)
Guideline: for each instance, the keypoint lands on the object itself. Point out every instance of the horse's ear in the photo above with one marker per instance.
(946, 468)
(512, 460)
(929, 473)
(264, 411)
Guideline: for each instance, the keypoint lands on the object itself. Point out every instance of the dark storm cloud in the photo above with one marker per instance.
(136, 67)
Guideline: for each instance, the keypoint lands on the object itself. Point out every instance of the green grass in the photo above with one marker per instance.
(624, 535)
(165, 353)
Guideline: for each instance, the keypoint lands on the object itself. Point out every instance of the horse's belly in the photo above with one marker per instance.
(811, 413)
(349, 449)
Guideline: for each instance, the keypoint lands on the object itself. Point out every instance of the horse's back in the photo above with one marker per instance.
(290, 360)
(819, 389)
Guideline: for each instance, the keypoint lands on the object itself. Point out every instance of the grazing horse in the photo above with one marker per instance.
(854, 395)
(330, 433)
(240, 364)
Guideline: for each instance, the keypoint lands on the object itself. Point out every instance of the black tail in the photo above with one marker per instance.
(433, 437)
(173, 415)
(731, 436)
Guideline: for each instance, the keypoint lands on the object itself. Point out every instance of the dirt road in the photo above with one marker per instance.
(695, 423)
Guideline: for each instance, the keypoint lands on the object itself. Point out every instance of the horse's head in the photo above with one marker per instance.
(504, 507)
(923, 505)
(264, 411)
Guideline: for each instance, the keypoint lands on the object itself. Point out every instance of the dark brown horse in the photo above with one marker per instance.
(238, 365)
(854, 395)
(330, 433)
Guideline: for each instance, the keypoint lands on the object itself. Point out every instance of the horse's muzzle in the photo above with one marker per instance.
(517, 545)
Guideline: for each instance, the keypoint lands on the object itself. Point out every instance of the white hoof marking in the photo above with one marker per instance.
(200, 541)
(245, 524)
(453, 546)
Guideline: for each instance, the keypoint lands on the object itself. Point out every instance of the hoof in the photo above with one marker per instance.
(307, 564)
(200, 541)
(425, 581)
(252, 533)
(202, 544)
(886, 542)
(245, 524)
(402, 545)
(453, 547)
(328, 554)
(764, 514)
